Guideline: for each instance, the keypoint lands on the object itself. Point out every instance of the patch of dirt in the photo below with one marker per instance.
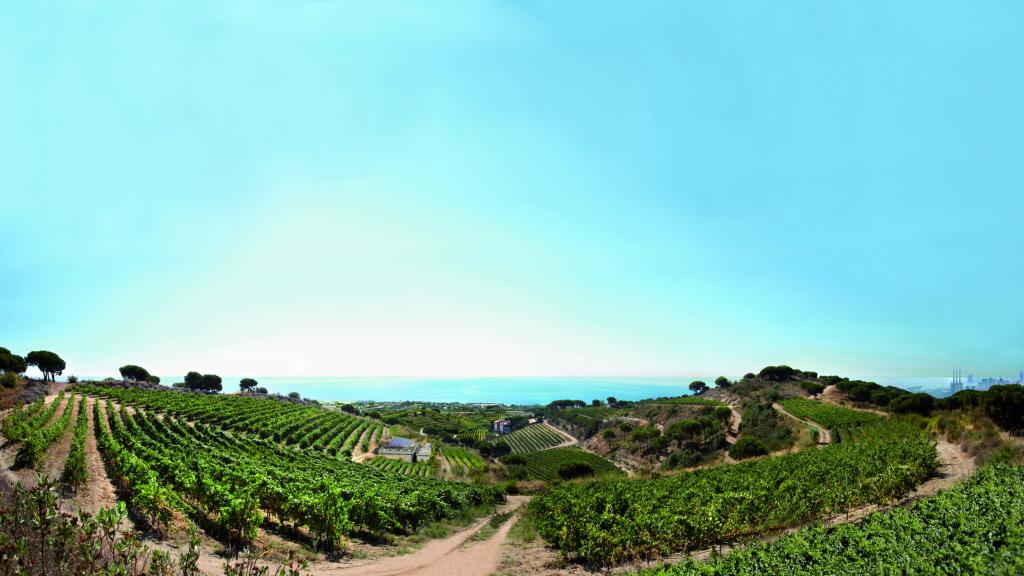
(98, 491)
(452, 556)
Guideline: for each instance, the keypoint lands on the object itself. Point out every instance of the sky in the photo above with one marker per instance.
(513, 188)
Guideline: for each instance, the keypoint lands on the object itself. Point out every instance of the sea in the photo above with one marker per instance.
(490, 390)
(503, 390)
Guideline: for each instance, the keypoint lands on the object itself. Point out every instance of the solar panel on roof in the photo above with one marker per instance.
(401, 442)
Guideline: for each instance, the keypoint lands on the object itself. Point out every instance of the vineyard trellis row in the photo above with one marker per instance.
(533, 438)
(237, 481)
(306, 426)
(975, 528)
(608, 522)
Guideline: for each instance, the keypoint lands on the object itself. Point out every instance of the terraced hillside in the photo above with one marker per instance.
(608, 522)
(546, 464)
(400, 467)
(975, 528)
(175, 457)
(828, 415)
(534, 438)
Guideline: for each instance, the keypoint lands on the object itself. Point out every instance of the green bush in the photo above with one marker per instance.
(570, 470)
(9, 380)
(748, 447)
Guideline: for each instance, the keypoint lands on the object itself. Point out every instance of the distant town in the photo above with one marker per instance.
(958, 383)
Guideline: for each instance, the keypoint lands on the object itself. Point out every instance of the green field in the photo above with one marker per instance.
(544, 465)
(975, 528)
(608, 522)
(400, 466)
(460, 460)
(533, 438)
(215, 456)
(828, 415)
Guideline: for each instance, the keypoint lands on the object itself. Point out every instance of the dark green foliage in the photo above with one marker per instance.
(260, 390)
(813, 388)
(294, 395)
(193, 380)
(9, 380)
(12, 363)
(211, 383)
(134, 373)
(722, 382)
(573, 470)
(153, 379)
(514, 460)
(247, 384)
(560, 404)
(698, 386)
(777, 373)
(748, 447)
(1005, 405)
(919, 403)
(50, 364)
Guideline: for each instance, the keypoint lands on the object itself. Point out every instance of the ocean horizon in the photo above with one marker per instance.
(503, 389)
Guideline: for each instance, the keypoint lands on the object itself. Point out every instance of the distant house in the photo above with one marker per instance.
(405, 449)
(502, 426)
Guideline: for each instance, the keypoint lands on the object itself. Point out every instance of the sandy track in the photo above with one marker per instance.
(824, 435)
(570, 440)
(454, 556)
(98, 491)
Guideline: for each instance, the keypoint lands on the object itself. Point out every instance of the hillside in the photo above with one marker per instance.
(250, 470)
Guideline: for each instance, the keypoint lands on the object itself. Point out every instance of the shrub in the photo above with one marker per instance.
(514, 460)
(9, 380)
(571, 470)
(748, 447)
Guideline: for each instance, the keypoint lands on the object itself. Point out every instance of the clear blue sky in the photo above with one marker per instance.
(517, 188)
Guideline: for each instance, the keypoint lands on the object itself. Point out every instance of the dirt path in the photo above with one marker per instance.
(824, 436)
(570, 440)
(452, 556)
(98, 491)
(735, 419)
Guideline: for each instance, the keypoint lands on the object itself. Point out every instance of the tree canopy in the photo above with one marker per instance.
(134, 373)
(50, 364)
(247, 384)
(193, 380)
(211, 382)
(698, 386)
(10, 362)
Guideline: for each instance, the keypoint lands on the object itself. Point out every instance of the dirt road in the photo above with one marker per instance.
(824, 436)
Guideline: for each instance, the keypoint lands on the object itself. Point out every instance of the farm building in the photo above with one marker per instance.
(502, 426)
(405, 449)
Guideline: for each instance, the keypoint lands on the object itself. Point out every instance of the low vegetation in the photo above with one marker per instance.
(533, 438)
(828, 415)
(607, 522)
(975, 528)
